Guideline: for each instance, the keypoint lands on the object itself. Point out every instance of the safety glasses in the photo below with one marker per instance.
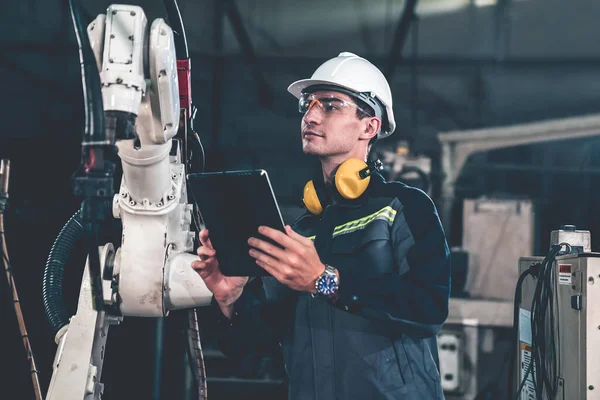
(327, 105)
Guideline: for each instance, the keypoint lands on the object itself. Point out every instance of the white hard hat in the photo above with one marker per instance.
(359, 76)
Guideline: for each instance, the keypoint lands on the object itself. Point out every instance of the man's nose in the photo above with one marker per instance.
(312, 116)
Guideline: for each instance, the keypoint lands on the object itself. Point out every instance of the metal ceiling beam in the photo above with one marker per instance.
(408, 15)
(233, 13)
(458, 146)
(230, 8)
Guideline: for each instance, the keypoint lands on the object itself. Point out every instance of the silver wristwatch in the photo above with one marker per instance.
(327, 283)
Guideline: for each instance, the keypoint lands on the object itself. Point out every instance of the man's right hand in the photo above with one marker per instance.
(226, 289)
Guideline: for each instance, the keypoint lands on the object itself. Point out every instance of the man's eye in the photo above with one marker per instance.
(330, 107)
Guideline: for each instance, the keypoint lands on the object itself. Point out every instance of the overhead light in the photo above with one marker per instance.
(436, 7)
(485, 3)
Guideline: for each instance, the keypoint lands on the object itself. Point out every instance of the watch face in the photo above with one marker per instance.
(327, 285)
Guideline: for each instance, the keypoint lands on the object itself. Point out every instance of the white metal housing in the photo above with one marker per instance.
(79, 358)
(122, 72)
(578, 329)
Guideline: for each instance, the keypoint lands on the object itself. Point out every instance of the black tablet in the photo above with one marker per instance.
(233, 204)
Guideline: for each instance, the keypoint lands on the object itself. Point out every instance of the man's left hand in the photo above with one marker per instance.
(296, 265)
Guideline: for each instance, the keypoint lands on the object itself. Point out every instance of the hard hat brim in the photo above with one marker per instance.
(298, 87)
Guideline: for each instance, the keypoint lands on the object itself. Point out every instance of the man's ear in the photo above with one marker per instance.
(372, 126)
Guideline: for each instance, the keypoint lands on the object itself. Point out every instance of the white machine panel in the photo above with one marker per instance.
(578, 327)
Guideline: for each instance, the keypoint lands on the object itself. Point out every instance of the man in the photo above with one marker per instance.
(360, 285)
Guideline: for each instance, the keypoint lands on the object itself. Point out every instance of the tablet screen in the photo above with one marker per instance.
(233, 204)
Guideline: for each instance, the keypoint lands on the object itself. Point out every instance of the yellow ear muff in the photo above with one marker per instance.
(348, 180)
(311, 199)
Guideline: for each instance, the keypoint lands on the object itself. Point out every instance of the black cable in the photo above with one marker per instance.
(176, 23)
(202, 156)
(512, 351)
(532, 270)
(533, 313)
(90, 78)
(93, 180)
(544, 364)
(52, 285)
(543, 325)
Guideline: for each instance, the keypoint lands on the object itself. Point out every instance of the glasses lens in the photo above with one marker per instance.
(334, 105)
(303, 103)
(328, 105)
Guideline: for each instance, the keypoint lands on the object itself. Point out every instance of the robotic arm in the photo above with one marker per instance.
(153, 263)
(150, 273)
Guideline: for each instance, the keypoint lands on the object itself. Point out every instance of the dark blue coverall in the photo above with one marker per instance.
(378, 339)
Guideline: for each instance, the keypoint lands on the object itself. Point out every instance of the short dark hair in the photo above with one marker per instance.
(365, 111)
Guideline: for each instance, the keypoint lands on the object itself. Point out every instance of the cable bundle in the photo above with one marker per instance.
(545, 359)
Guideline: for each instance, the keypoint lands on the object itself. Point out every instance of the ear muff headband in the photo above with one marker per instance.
(351, 179)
